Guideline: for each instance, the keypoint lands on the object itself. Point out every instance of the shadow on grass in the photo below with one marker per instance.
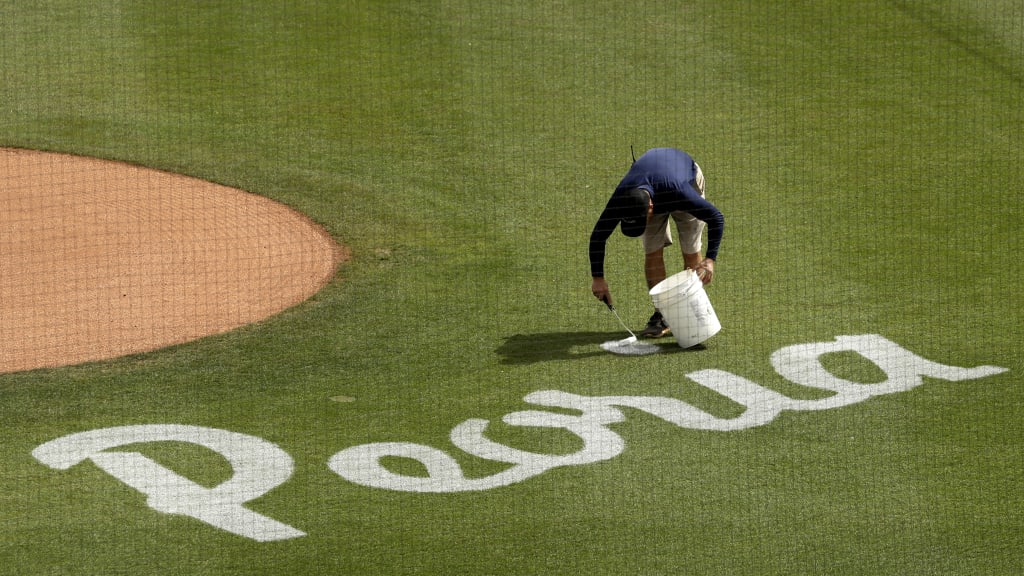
(531, 348)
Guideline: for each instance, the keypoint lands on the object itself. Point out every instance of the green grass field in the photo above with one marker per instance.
(866, 155)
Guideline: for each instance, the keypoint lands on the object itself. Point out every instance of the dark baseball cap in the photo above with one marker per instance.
(632, 206)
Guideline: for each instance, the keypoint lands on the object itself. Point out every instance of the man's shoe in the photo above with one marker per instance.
(656, 327)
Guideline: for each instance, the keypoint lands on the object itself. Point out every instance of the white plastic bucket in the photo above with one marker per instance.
(682, 301)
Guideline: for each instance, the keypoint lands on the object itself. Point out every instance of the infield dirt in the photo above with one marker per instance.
(100, 259)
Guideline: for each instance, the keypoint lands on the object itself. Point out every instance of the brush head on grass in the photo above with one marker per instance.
(630, 347)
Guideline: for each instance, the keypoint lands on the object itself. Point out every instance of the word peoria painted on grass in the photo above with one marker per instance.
(259, 466)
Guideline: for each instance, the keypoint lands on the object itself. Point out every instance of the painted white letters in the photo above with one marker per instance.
(258, 465)
(801, 364)
(904, 370)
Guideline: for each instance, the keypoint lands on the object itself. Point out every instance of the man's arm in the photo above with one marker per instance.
(691, 202)
(599, 286)
(703, 210)
(705, 268)
(598, 239)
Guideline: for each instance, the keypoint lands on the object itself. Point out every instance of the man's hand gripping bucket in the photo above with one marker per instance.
(686, 308)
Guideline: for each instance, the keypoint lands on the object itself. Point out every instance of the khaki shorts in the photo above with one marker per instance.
(658, 234)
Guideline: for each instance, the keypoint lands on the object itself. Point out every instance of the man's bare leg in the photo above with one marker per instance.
(654, 267)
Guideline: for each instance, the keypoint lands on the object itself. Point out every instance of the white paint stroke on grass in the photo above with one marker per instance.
(801, 364)
(259, 466)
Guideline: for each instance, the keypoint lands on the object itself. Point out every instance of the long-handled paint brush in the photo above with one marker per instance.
(628, 346)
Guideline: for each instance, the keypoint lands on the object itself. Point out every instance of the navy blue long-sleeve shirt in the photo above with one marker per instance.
(668, 175)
